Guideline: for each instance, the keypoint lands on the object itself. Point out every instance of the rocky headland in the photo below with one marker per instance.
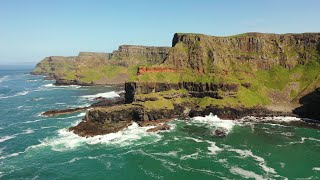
(94, 68)
(251, 74)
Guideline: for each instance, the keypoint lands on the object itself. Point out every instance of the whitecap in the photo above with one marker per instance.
(75, 116)
(10, 155)
(213, 149)
(194, 139)
(316, 168)
(27, 131)
(260, 160)
(111, 94)
(215, 121)
(48, 85)
(17, 94)
(245, 173)
(5, 138)
(37, 120)
(47, 127)
(67, 140)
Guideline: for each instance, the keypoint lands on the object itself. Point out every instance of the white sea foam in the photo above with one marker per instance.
(3, 78)
(260, 160)
(67, 140)
(32, 80)
(27, 131)
(213, 149)
(194, 139)
(8, 137)
(48, 85)
(190, 156)
(111, 94)
(245, 173)
(316, 168)
(37, 120)
(10, 155)
(22, 93)
(272, 119)
(47, 127)
(215, 121)
(75, 116)
(5, 138)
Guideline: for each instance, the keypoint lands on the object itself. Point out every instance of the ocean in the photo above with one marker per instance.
(36, 147)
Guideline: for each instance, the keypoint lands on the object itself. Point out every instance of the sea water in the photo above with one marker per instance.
(37, 147)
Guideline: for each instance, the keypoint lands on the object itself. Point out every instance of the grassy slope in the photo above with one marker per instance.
(262, 83)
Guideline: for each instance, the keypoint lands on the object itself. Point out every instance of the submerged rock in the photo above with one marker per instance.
(162, 127)
(220, 132)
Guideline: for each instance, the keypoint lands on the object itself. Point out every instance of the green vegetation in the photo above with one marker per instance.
(262, 82)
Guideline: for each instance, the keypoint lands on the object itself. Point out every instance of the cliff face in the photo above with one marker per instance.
(131, 55)
(259, 51)
(198, 90)
(95, 68)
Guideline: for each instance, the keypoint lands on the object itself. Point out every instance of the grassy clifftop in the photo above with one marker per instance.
(270, 69)
(102, 68)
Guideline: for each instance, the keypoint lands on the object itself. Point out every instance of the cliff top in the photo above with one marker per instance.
(250, 34)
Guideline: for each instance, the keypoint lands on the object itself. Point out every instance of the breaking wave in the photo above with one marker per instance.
(215, 121)
(67, 140)
(111, 94)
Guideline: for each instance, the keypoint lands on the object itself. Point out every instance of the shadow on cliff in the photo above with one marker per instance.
(310, 105)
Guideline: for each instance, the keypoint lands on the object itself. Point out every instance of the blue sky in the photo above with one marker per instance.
(33, 29)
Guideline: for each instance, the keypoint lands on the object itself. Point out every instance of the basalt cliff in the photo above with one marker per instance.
(92, 68)
(248, 74)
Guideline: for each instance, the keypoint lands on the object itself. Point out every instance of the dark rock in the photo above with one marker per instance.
(162, 127)
(310, 105)
(220, 132)
(198, 90)
(64, 111)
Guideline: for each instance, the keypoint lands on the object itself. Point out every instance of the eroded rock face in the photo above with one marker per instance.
(260, 51)
(194, 89)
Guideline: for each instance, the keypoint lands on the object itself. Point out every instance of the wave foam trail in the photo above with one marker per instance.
(17, 94)
(215, 121)
(5, 138)
(213, 149)
(67, 140)
(245, 174)
(260, 160)
(111, 94)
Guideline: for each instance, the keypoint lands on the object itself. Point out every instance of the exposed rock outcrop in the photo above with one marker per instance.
(194, 89)
(310, 105)
(257, 50)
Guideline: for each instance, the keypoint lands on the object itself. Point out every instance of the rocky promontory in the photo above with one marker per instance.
(251, 74)
(94, 68)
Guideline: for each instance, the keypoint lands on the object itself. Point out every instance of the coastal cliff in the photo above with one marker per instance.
(256, 50)
(232, 77)
(93, 68)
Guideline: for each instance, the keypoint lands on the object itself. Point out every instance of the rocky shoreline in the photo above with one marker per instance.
(113, 115)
